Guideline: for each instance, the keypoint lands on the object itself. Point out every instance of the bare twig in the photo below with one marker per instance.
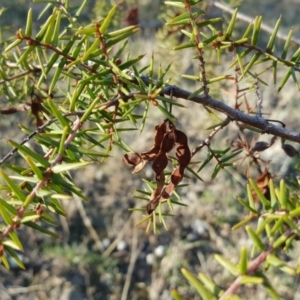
(88, 224)
(34, 71)
(200, 50)
(133, 257)
(233, 114)
(259, 100)
(114, 244)
(206, 142)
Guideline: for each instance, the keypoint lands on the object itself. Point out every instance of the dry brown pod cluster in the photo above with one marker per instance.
(166, 138)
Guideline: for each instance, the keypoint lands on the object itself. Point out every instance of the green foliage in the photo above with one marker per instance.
(84, 92)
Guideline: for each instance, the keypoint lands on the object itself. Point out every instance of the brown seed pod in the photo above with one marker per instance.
(164, 142)
(263, 180)
(160, 163)
(151, 206)
(263, 184)
(183, 156)
(160, 180)
(161, 130)
(259, 146)
(289, 150)
(176, 176)
(160, 133)
(140, 160)
(168, 141)
(131, 159)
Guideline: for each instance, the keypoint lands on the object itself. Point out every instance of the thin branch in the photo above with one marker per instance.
(88, 224)
(34, 71)
(259, 100)
(254, 266)
(133, 257)
(33, 42)
(206, 142)
(248, 19)
(234, 115)
(200, 50)
(39, 129)
(270, 54)
(41, 183)
(257, 122)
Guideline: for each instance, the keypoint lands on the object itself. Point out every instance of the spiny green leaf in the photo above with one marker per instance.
(283, 195)
(207, 42)
(108, 19)
(250, 64)
(251, 280)
(216, 171)
(248, 31)
(244, 260)
(176, 295)
(41, 229)
(35, 169)
(5, 215)
(55, 78)
(32, 217)
(210, 285)
(255, 238)
(229, 266)
(28, 30)
(90, 50)
(11, 244)
(273, 36)
(269, 288)
(13, 45)
(15, 257)
(256, 30)
(196, 283)
(209, 22)
(287, 44)
(67, 167)
(16, 240)
(168, 115)
(231, 25)
(185, 45)
(249, 207)
(19, 194)
(250, 198)
(260, 195)
(50, 28)
(194, 173)
(183, 18)
(5, 262)
(245, 221)
(285, 79)
(295, 212)
(24, 150)
(276, 262)
(175, 4)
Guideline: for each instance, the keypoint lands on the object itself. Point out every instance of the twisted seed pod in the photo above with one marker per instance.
(183, 156)
(131, 159)
(140, 160)
(161, 160)
(164, 142)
